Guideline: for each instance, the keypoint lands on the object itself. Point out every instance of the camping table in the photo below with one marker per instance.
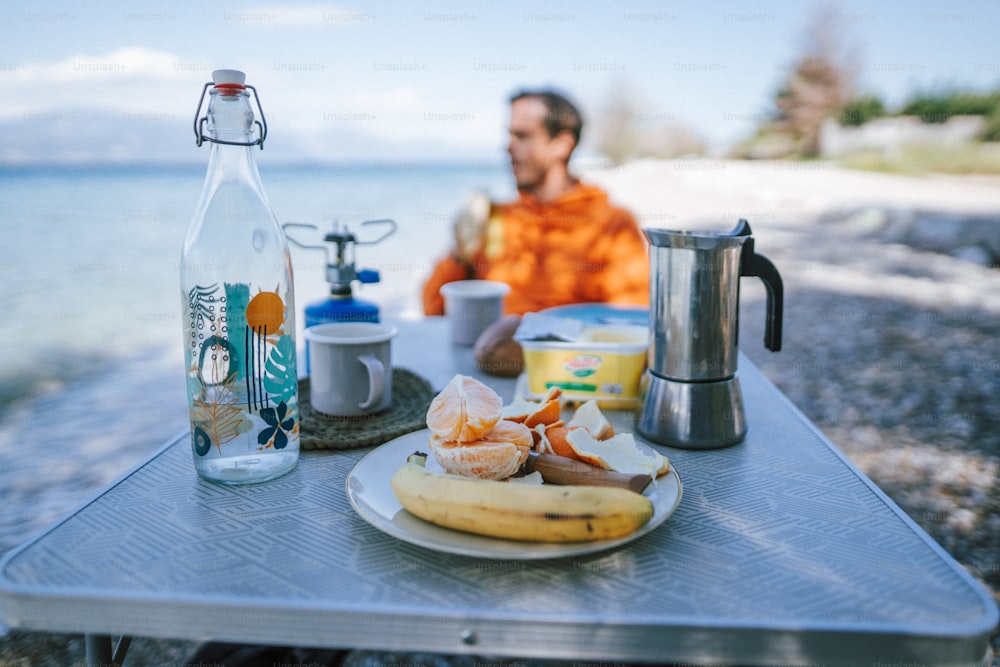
(780, 552)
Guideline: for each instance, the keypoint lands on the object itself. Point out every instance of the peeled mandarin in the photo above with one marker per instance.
(484, 460)
(465, 410)
(497, 455)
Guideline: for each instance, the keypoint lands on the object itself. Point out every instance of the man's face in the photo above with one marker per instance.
(532, 151)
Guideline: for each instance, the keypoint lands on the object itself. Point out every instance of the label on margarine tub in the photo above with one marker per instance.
(583, 366)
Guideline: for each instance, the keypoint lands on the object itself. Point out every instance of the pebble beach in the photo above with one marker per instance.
(891, 345)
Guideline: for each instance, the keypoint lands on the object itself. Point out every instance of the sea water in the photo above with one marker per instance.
(91, 368)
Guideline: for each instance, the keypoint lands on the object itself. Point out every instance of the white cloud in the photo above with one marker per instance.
(137, 103)
(402, 119)
(115, 66)
(132, 79)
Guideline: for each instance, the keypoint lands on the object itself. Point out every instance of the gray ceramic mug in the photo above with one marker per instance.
(350, 370)
(471, 306)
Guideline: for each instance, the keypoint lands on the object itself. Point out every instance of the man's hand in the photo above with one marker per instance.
(470, 228)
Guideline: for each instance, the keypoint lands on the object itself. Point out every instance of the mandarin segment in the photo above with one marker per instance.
(497, 455)
(509, 431)
(465, 410)
(480, 460)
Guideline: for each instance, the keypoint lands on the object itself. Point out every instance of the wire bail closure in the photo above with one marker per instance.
(199, 123)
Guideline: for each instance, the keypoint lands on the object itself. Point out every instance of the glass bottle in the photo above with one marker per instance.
(239, 312)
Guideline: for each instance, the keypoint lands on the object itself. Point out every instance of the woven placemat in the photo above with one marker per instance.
(411, 396)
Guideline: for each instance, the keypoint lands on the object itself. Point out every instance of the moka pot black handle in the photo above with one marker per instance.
(752, 264)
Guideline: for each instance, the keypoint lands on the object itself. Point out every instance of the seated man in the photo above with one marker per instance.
(561, 241)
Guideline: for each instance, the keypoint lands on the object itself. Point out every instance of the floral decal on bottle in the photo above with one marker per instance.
(278, 427)
(241, 368)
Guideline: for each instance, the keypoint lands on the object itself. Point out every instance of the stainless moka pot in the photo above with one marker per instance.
(692, 396)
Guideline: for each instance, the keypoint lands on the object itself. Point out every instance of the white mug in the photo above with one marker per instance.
(350, 370)
(471, 306)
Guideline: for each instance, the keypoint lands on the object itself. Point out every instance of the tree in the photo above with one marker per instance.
(615, 127)
(630, 127)
(821, 82)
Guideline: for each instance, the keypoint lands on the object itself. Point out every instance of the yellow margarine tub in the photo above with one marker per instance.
(604, 362)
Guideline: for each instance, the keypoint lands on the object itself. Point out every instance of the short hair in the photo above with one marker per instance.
(561, 115)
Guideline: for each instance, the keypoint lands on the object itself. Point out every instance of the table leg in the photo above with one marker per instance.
(100, 654)
(98, 650)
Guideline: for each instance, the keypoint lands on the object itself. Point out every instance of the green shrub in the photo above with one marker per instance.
(939, 107)
(861, 110)
(992, 131)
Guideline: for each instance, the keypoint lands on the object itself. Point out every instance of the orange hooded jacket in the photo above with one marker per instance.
(577, 248)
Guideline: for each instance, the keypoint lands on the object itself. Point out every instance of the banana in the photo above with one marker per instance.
(546, 513)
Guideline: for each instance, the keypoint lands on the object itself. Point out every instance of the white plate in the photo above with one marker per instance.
(371, 496)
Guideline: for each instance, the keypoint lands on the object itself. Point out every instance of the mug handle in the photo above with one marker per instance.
(376, 380)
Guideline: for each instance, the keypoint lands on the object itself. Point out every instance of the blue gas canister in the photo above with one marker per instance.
(341, 273)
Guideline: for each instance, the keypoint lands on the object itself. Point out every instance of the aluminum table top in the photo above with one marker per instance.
(781, 552)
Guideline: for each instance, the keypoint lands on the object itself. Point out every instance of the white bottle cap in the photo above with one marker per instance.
(228, 76)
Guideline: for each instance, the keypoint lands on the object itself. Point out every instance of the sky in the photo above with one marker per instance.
(387, 80)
